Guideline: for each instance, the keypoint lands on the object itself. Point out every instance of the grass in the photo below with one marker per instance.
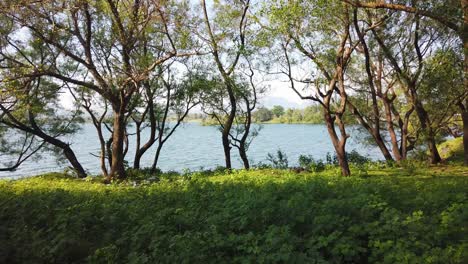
(410, 214)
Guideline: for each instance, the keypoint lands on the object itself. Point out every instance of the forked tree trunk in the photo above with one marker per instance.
(373, 130)
(338, 144)
(391, 130)
(434, 156)
(227, 127)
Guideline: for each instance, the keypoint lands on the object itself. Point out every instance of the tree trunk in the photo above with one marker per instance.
(102, 156)
(156, 158)
(138, 154)
(343, 160)
(464, 37)
(227, 127)
(404, 135)
(137, 159)
(118, 136)
(434, 156)
(338, 145)
(465, 135)
(393, 137)
(226, 147)
(374, 131)
(68, 152)
(243, 156)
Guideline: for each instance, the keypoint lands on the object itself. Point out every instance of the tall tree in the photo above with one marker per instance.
(226, 37)
(325, 43)
(99, 45)
(452, 14)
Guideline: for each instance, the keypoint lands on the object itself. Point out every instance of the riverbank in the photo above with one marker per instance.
(405, 214)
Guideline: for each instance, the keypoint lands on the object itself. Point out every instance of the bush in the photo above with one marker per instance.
(308, 163)
(265, 216)
(355, 158)
(280, 161)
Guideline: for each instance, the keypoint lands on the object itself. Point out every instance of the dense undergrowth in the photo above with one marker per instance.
(388, 215)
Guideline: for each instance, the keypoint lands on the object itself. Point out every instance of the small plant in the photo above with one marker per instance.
(331, 159)
(310, 164)
(262, 165)
(356, 158)
(278, 161)
(142, 174)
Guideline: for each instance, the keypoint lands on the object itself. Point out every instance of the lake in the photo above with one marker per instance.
(194, 147)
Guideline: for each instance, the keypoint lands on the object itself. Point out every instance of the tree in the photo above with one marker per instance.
(278, 110)
(30, 107)
(452, 15)
(181, 97)
(227, 46)
(326, 43)
(409, 65)
(101, 45)
(263, 114)
(30, 117)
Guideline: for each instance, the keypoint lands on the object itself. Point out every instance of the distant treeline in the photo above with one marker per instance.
(275, 115)
(278, 114)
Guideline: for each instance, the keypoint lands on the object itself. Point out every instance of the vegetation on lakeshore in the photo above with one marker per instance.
(276, 115)
(136, 68)
(390, 215)
(398, 69)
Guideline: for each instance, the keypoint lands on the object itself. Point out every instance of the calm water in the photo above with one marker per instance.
(193, 146)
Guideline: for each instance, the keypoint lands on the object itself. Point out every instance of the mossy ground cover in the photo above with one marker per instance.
(387, 215)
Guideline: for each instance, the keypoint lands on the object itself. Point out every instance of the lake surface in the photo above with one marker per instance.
(194, 146)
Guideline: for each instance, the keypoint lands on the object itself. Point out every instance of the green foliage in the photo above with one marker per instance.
(278, 161)
(277, 110)
(278, 115)
(266, 216)
(263, 114)
(356, 158)
(452, 150)
(309, 163)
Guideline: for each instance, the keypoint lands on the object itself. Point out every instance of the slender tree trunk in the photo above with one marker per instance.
(391, 130)
(138, 154)
(35, 130)
(373, 131)
(464, 37)
(429, 133)
(243, 156)
(118, 136)
(383, 148)
(156, 157)
(68, 152)
(226, 146)
(137, 159)
(465, 134)
(227, 127)
(338, 144)
(243, 141)
(152, 138)
(109, 150)
(102, 156)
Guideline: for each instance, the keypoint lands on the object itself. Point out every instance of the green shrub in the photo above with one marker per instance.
(257, 216)
(310, 164)
(278, 161)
